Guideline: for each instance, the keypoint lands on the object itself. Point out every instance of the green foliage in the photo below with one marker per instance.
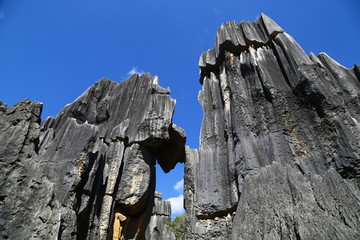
(178, 226)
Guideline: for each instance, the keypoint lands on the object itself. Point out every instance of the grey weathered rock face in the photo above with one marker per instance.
(27, 205)
(87, 173)
(280, 141)
(157, 228)
(279, 154)
(280, 202)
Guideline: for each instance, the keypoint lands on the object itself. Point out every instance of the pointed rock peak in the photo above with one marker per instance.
(145, 75)
(315, 59)
(326, 59)
(103, 80)
(270, 110)
(156, 80)
(236, 38)
(271, 27)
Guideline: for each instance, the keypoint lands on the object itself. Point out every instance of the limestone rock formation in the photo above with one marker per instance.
(279, 151)
(280, 202)
(280, 141)
(87, 173)
(28, 209)
(157, 228)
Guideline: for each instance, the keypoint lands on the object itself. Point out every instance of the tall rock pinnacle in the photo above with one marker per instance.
(280, 141)
(88, 173)
(279, 151)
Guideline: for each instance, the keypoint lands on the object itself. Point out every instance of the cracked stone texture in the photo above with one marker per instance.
(157, 228)
(267, 103)
(283, 203)
(87, 173)
(28, 209)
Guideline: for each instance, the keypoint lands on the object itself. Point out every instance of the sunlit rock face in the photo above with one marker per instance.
(87, 173)
(280, 141)
(278, 158)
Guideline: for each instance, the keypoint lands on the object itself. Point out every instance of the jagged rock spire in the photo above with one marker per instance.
(237, 38)
(89, 172)
(280, 140)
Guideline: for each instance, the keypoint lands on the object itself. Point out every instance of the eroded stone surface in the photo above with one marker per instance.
(283, 203)
(265, 101)
(27, 205)
(87, 173)
(278, 158)
(157, 228)
(138, 172)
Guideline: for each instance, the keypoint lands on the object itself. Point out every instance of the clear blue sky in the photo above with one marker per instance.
(52, 50)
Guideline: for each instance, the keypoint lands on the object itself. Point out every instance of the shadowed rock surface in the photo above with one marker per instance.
(28, 209)
(278, 158)
(280, 141)
(87, 173)
(157, 228)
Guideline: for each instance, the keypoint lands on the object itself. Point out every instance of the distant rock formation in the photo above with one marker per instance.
(157, 228)
(280, 141)
(88, 173)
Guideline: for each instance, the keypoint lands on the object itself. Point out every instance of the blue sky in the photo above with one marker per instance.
(52, 51)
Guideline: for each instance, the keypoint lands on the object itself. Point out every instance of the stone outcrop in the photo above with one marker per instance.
(279, 151)
(280, 202)
(157, 228)
(28, 209)
(87, 173)
(280, 141)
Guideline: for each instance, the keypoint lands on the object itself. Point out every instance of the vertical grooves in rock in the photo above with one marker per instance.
(96, 159)
(288, 114)
(278, 158)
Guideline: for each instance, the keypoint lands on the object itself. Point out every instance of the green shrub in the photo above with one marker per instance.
(178, 226)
